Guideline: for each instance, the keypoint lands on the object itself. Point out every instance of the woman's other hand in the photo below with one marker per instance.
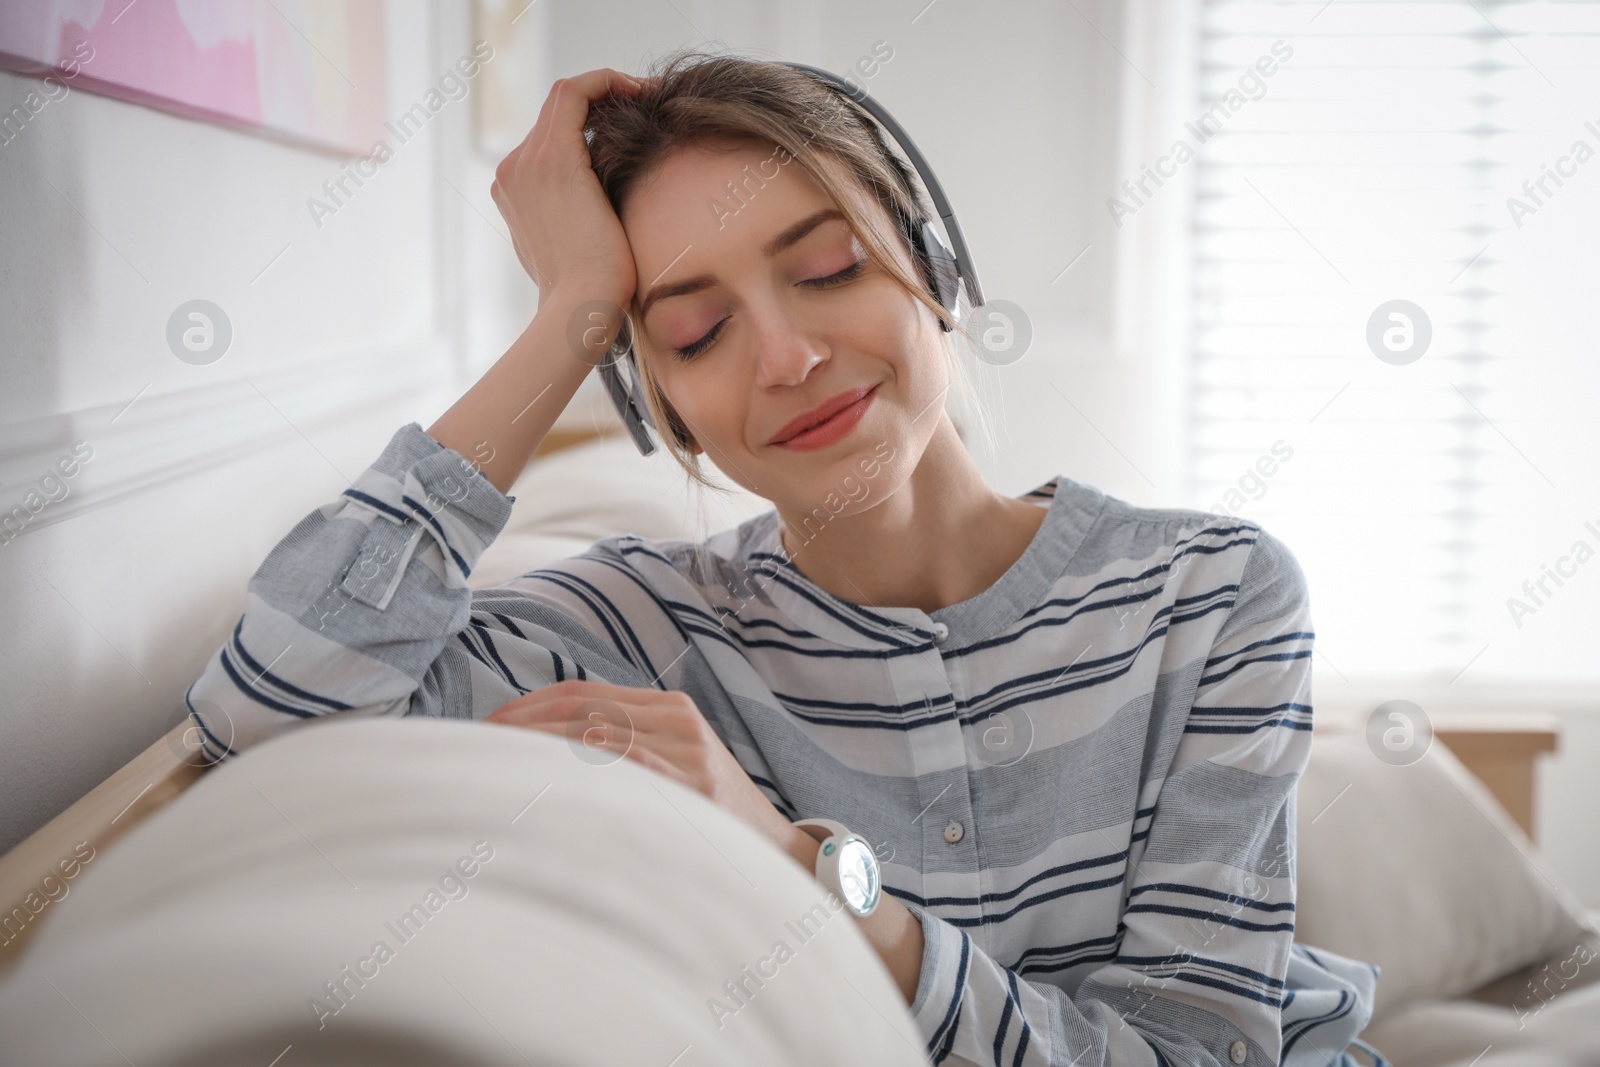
(562, 226)
(660, 729)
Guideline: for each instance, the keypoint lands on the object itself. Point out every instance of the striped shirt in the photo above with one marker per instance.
(1081, 780)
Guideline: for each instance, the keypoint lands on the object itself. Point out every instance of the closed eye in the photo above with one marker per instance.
(837, 279)
(850, 273)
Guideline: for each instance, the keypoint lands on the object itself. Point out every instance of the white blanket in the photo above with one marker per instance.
(421, 891)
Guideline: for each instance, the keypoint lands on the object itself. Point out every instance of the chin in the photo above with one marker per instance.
(851, 481)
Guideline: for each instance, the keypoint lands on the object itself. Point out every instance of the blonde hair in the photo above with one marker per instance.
(697, 95)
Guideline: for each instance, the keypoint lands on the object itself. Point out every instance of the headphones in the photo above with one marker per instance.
(944, 269)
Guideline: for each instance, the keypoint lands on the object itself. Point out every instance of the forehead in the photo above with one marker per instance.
(715, 194)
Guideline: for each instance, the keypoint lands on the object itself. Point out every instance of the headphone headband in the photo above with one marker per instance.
(941, 203)
(947, 266)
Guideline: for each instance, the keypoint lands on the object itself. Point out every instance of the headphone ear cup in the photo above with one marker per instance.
(619, 373)
(636, 390)
(625, 363)
(942, 264)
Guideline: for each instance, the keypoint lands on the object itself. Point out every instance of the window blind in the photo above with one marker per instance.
(1378, 161)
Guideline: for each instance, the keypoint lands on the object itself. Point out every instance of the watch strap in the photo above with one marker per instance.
(822, 829)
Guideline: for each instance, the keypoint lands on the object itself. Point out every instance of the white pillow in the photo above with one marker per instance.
(1419, 870)
(1558, 1032)
(561, 911)
(570, 499)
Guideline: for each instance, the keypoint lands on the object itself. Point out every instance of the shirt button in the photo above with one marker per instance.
(941, 632)
(1237, 1052)
(954, 832)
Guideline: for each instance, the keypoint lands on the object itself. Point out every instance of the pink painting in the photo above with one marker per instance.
(308, 71)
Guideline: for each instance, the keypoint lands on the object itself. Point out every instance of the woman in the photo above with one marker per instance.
(1070, 727)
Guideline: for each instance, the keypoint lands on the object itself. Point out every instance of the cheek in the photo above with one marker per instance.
(705, 399)
(891, 324)
(877, 316)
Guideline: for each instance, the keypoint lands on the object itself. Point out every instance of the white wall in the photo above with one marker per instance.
(114, 215)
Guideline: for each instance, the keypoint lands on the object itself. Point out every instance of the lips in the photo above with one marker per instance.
(821, 413)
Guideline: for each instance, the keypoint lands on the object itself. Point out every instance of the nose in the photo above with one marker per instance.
(785, 352)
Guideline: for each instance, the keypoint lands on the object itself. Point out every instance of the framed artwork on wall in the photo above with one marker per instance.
(513, 89)
(311, 72)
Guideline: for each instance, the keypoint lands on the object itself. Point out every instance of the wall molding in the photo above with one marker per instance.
(162, 437)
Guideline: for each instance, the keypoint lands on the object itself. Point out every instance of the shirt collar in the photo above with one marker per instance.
(770, 574)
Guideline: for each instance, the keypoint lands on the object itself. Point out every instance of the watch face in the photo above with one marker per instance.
(858, 874)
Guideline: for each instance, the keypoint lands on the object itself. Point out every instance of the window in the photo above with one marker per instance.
(1448, 155)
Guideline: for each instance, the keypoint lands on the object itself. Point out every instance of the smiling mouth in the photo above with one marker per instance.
(833, 407)
(838, 425)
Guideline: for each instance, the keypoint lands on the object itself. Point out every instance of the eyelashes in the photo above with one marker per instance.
(836, 279)
(850, 273)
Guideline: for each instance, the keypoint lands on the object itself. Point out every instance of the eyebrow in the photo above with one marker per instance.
(786, 239)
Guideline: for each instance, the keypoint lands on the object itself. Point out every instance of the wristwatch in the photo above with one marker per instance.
(846, 864)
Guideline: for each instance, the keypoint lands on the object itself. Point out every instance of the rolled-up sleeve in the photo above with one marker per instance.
(350, 611)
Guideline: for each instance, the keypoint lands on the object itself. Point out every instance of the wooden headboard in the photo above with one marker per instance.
(143, 786)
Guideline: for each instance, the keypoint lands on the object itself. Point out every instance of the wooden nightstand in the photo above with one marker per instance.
(1502, 751)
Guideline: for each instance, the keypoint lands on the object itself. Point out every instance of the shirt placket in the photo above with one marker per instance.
(942, 821)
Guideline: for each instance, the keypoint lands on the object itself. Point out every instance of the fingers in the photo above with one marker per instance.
(567, 107)
(589, 687)
(577, 713)
(574, 689)
(550, 198)
(564, 700)
(609, 738)
(665, 716)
